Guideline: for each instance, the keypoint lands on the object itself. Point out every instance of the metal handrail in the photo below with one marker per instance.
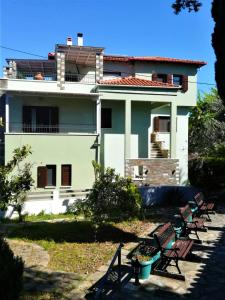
(58, 128)
(52, 76)
(31, 76)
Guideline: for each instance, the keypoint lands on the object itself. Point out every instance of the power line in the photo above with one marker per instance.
(15, 50)
(113, 71)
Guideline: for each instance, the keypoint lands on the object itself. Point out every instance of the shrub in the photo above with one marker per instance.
(218, 151)
(111, 198)
(11, 272)
(207, 172)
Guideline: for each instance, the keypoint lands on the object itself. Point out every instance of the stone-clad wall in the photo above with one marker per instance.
(158, 171)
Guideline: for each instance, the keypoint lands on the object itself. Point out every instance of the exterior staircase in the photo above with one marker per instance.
(155, 151)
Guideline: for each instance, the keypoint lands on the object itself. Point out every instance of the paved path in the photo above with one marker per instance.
(204, 281)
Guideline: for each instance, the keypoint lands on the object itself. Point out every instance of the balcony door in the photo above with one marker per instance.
(40, 119)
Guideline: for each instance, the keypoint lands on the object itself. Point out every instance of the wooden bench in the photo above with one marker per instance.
(191, 223)
(171, 249)
(204, 208)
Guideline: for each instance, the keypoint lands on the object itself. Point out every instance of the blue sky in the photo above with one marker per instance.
(144, 27)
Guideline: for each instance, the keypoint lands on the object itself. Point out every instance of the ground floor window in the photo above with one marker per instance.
(46, 176)
(66, 175)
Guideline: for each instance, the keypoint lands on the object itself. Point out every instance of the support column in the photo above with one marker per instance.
(99, 66)
(98, 116)
(173, 129)
(13, 67)
(127, 140)
(98, 127)
(60, 70)
(7, 114)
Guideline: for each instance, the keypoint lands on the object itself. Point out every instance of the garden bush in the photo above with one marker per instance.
(112, 198)
(11, 272)
(207, 172)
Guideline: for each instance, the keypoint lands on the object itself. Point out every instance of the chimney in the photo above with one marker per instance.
(69, 41)
(80, 40)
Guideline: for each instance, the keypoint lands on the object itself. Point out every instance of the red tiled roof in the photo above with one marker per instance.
(134, 81)
(153, 59)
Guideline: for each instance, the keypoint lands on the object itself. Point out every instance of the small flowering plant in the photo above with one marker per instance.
(141, 257)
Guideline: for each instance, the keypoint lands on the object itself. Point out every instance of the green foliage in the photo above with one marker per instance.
(218, 151)
(111, 198)
(191, 5)
(15, 180)
(207, 124)
(207, 172)
(11, 272)
(218, 38)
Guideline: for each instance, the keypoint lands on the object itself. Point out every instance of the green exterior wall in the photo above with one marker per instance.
(140, 122)
(57, 149)
(140, 115)
(71, 111)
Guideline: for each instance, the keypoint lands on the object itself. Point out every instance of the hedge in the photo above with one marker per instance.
(207, 172)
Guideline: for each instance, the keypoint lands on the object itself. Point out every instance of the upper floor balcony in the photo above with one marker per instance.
(67, 70)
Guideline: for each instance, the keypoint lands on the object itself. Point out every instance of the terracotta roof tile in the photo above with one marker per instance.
(134, 81)
(153, 59)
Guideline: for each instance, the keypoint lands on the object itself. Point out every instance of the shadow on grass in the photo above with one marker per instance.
(72, 232)
(39, 284)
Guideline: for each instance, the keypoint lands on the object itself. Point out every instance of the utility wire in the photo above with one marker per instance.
(15, 50)
(107, 70)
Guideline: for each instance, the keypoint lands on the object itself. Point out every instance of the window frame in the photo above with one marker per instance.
(180, 79)
(42, 176)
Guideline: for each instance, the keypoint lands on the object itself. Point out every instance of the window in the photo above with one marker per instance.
(40, 119)
(46, 176)
(106, 118)
(51, 175)
(177, 79)
(161, 78)
(162, 124)
(66, 175)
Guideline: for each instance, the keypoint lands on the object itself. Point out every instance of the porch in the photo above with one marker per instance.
(134, 133)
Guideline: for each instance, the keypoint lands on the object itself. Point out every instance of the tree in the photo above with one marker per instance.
(15, 180)
(218, 36)
(218, 43)
(207, 124)
(191, 5)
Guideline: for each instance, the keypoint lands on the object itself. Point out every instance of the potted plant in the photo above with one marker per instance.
(38, 76)
(145, 265)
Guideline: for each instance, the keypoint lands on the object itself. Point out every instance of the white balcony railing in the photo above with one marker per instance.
(58, 128)
(39, 76)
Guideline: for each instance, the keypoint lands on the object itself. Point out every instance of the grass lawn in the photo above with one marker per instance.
(73, 245)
